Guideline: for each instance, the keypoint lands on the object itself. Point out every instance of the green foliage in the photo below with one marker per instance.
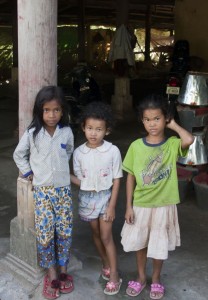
(5, 48)
(67, 48)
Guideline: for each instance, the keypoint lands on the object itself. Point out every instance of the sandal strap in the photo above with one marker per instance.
(112, 285)
(135, 285)
(55, 284)
(156, 287)
(106, 271)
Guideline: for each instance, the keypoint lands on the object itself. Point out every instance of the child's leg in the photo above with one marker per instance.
(141, 257)
(157, 289)
(63, 236)
(44, 225)
(51, 284)
(95, 227)
(65, 281)
(157, 268)
(113, 285)
(110, 249)
(135, 287)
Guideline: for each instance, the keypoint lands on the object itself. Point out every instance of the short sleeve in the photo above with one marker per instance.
(117, 163)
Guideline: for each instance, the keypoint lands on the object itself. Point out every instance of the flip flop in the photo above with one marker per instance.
(157, 291)
(66, 279)
(105, 273)
(135, 287)
(112, 288)
(54, 284)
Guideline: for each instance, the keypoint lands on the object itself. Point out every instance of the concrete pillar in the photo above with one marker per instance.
(22, 259)
(37, 48)
(37, 57)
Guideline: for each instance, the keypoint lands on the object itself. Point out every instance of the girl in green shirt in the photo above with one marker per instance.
(151, 227)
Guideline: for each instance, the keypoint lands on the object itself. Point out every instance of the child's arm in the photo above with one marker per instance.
(186, 137)
(110, 211)
(21, 156)
(130, 185)
(70, 144)
(75, 180)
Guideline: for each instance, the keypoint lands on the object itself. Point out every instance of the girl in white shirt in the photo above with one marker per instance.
(97, 167)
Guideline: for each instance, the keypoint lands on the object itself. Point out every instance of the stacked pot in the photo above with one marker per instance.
(193, 115)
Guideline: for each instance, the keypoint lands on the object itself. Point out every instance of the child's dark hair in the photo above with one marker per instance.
(46, 94)
(98, 110)
(154, 101)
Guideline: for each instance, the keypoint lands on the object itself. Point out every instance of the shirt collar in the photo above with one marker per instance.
(103, 148)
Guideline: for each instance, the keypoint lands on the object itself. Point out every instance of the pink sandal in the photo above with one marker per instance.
(134, 288)
(105, 273)
(157, 291)
(54, 284)
(66, 279)
(112, 288)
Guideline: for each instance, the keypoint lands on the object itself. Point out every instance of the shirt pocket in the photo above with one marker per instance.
(62, 150)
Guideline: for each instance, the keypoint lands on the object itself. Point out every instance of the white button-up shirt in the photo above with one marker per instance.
(97, 167)
(47, 158)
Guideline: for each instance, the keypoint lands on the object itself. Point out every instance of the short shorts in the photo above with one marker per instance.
(92, 204)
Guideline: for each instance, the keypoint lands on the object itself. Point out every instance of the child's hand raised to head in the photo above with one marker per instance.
(129, 215)
(170, 123)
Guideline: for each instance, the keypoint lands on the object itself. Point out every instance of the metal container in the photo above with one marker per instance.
(190, 118)
(194, 90)
(197, 152)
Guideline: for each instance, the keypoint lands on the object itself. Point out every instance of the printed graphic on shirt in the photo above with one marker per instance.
(84, 173)
(154, 171)
(105, 172)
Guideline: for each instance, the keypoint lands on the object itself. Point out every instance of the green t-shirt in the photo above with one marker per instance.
(154, 167)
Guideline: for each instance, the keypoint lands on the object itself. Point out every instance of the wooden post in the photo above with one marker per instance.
(122, 12)
(81, 31)
(147, 33)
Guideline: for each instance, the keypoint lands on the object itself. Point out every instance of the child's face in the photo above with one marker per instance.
(52, 113)
(95, 130)
(154, 122)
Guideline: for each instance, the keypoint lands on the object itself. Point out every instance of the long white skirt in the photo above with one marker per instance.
(156, 229)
